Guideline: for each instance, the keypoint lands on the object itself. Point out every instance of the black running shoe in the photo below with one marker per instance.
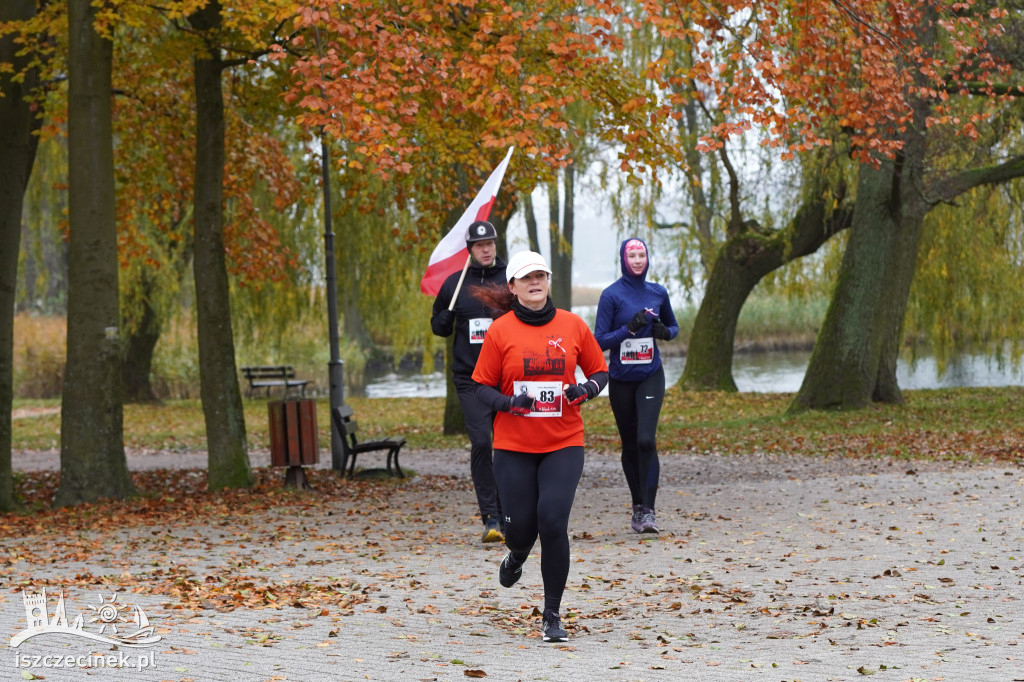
(552, 626)
(509, 572)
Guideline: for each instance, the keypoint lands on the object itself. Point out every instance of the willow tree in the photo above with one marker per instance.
(92, 458)
(966, 292)
(854, 359)
(759, 66)
(154, 198)
(749, 253)
(709, 63)
(438, 94)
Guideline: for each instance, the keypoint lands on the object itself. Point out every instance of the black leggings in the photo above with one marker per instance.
(537, 492)
(636, 406)
(479, 421)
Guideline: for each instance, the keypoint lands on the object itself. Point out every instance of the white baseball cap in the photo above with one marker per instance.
(525, 262)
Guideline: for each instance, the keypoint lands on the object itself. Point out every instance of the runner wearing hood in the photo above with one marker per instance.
(470, 320)
(632, 315)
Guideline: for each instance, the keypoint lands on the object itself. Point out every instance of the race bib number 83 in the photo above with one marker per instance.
(548, 395)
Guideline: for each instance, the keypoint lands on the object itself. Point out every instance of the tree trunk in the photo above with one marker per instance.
(146, 313)
(854, 356)
(228, 458)
(137, 362)
(554, 220)
(562, 286)
(18, 147)
(92, 458)
(744, 259)
(709, 357)
(531, 223)
(352, 327)
(560, 235)
(454, 419)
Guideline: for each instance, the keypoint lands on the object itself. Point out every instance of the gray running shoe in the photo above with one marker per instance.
(648, 524)
(637, 521)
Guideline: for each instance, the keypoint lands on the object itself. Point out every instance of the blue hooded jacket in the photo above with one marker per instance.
(618, 304)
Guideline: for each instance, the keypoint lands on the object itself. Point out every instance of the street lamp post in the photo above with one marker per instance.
(335, 367)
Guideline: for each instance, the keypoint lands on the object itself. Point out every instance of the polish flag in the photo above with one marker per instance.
(451, 253)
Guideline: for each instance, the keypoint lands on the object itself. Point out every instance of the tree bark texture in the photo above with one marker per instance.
(854, 356)
(561, 242)
(137, 362)
(228, 458)
(18, 147)
(746, 258)
(454, 419)
(531, 223)
(92, 459)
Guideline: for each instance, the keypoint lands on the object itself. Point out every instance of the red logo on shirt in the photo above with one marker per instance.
(535, 366)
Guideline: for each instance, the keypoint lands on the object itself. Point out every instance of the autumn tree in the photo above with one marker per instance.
(93, 462)
(438, 94)
(154, 197)
(758, 65)
(19, 121)
(702, 59)
(248, 35)
(854, 359)
(222, 400)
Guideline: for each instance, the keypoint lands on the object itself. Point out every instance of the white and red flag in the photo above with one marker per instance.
(451, 254)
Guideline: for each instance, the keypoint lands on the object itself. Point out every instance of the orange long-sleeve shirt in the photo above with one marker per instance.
(543, 357)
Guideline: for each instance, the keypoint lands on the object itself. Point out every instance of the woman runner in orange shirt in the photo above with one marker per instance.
(527, 373)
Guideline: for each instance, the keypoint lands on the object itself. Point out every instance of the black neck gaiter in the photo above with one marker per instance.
(535, 318)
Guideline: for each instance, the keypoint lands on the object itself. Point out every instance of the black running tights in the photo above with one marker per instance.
(636, 406)
(537, 492)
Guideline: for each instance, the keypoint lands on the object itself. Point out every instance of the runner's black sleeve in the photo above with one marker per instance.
(599, 378)
(493, 398)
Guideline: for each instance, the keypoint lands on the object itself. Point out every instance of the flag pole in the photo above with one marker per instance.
(458, 287)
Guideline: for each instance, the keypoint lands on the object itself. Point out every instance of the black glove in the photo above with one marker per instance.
(580, 393)
(638, 322)
(661, 331)
(444, 317)
(521, 405)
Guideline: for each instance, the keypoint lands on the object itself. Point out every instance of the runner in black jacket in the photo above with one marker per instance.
(469, 320)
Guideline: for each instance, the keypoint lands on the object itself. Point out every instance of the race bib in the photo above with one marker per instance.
(478, 329)
(637, 351)
(548, 395)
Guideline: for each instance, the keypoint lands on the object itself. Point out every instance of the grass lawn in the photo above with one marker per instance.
(971, 424)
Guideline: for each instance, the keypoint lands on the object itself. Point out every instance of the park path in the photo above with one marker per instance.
(770, 567)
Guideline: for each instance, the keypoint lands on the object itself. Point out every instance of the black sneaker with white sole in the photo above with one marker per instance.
(552, 627)
(510, 571)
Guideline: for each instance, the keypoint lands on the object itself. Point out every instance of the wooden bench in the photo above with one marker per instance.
(271, 377)
(347, 428)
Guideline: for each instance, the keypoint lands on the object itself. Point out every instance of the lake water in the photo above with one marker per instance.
(770, 372)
